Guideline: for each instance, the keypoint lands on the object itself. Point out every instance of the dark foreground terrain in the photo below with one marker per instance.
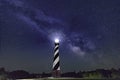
(66, 79)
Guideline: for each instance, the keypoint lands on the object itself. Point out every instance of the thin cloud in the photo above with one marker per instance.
(77, 50)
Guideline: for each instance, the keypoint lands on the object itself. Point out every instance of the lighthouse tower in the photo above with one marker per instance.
(56, 61)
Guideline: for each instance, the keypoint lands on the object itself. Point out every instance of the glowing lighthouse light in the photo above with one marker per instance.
(56, 40)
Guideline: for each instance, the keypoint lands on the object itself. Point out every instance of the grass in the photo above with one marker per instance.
(63, 79)
(68, 78)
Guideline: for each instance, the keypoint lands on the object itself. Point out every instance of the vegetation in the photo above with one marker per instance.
(96, 74)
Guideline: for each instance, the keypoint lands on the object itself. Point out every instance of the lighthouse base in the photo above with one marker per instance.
(56, 73)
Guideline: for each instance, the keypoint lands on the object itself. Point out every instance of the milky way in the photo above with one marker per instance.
(88, 31)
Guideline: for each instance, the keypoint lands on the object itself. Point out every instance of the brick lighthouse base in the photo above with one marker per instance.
(56, 73)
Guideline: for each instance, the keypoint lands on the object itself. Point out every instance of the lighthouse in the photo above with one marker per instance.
(56, 60)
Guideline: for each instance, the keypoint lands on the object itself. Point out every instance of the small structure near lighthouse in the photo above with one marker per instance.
(56, 60)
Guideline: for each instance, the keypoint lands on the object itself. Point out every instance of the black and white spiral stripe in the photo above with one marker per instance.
(56, 61)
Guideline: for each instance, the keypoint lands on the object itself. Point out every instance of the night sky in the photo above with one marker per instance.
(89, 33)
